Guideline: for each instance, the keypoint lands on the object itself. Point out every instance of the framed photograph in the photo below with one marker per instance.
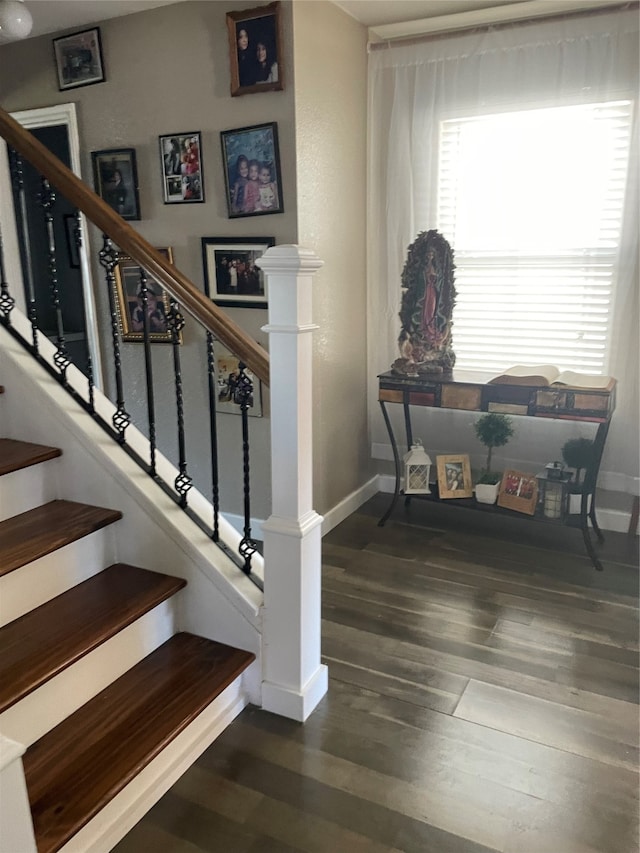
(251, 163)
(255, 51)
(227, 370)
(454, 476)
(181, 160)
(232, 275)
(518, 491)
(130, 314)
(115, 176)
(72, 231)
(79, 59)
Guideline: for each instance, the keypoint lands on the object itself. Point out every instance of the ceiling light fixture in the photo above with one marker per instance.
(15, 20)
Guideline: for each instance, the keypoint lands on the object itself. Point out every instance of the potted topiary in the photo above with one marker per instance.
(493, 430)
(578, 453)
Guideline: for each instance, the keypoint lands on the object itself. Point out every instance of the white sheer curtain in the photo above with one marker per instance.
(412, 88)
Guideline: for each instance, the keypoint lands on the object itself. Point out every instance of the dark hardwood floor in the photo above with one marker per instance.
(483, 697)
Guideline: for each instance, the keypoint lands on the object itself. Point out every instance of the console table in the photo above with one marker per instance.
(473, 392)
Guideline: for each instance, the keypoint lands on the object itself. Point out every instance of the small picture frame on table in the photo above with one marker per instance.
(255, 50)
(251, 163)
(518, 491)
(454, 476)
(129, 304)
(232, 275)
(227, 370)
(181, 163)
(78, 59)
(115, 176)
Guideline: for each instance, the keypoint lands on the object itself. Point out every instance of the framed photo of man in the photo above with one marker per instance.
(255, 50)
(232, 275)
(115, 176)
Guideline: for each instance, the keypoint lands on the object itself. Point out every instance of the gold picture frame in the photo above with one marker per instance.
(518, 491)
(454, 476)
(127, 286)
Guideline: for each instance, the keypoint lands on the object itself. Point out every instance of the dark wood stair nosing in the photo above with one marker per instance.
(34, 534)
(73, 771)
(17, 455)
(47, 640)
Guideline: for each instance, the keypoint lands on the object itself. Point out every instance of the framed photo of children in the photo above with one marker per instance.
(232, 275)
(518, 491)
(227, 369)
(115, 176)
(255, 52)
(79, 59)
(251, 163)
(130, 304)
(181, 160)
(454, 477)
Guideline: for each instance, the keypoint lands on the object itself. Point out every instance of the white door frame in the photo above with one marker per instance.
(58, 114)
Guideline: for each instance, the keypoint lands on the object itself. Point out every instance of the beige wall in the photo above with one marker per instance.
(330, 59)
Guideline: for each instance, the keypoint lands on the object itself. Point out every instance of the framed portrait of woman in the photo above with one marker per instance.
(255, 50)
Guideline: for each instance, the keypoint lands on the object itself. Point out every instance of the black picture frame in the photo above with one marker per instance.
(247, 151)
(181, 167)
(78, 59)
(255, 50)
(121, 195)
(224, 257)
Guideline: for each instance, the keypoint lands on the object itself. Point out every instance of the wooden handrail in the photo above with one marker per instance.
(128, 240)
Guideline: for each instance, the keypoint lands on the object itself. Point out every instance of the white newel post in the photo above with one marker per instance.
(16, 828)
(294, 680)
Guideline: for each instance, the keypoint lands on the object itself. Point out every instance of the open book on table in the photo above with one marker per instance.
(544, 375)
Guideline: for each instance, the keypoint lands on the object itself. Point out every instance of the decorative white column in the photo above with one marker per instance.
(16, 827)
(294, 680)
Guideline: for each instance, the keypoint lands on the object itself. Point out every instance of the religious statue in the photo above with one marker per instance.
(426, 309)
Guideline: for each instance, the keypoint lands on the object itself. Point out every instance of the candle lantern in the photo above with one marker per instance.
(417, 466)
(553, 490)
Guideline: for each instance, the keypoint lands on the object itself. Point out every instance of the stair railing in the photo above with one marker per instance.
(119, 238)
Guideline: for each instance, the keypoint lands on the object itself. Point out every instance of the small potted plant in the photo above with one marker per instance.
(578, 453)
(493, 430)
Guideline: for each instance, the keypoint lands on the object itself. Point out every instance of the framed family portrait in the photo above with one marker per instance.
(255, 50)
(232, 275)
(115, 176)
(454, 477)
(181, 161)
(518, 491)
(227, 370)
(79, 59)
(130, 305)
(251, 162)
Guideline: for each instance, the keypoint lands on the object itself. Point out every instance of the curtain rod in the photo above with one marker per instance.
(460, 27)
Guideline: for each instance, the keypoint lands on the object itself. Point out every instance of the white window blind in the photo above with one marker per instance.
(531, 202)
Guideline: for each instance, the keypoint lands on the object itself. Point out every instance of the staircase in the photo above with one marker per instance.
(111, 701)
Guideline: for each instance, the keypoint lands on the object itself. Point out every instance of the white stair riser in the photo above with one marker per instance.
(28, 488)
(123, 812)
(32, 585)
(29, 719)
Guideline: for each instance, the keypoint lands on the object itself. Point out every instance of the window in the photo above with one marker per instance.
(532, 201)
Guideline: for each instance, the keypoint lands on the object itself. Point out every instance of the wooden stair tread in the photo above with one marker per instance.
(77, 768)
(40, 531)
(43, 642)
(15, 455)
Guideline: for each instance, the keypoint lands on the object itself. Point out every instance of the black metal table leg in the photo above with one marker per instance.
(409, 433)
(586, 534)
(396, 460)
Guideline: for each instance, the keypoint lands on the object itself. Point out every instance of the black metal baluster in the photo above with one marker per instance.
(7, 302)
(151, 411)
(213, 432)
(183, 482)
(243, 396)
(17, 178)
(77, 238)
(47, 200)
(109, 260)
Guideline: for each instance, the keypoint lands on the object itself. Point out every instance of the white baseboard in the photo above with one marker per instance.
(349, 505)
(293, 704)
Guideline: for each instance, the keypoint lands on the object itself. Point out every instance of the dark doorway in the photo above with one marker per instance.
(35, 264)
